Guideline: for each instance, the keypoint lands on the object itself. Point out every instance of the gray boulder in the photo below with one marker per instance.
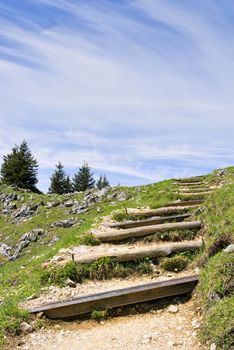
(5, 250)
(64, 223)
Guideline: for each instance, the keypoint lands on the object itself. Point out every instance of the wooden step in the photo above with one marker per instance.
(131, 253)
(160, 211)
(190, 183)
(118, 235)
(195, 194)
(118, 297)
(185, 203)
(148, 222)
(200, 190)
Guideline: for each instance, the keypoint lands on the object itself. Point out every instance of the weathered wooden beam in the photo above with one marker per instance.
(190, 183)
(185, 203)
(118, 235)
(160, 211)
(151, 221)
(118, 297)
(195, 194)
(195, 189)
(150, 251)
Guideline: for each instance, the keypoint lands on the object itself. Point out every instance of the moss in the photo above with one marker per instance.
(99, 315)
(176, 263)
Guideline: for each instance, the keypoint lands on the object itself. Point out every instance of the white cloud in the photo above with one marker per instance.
(126, 92)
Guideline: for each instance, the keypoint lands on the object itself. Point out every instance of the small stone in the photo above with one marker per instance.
(70, 283)
(177, 343)
(25, 327)
(213, 346)
(173, 309)
(229, 249)
(195, 324)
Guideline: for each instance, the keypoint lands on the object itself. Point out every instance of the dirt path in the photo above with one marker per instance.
(158, 329)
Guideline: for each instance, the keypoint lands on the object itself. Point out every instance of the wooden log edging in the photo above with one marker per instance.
(117, 235)
(160, 211)
(187, 203)
(117, 298)
(188, 194)
(149, 251)
(148, 222)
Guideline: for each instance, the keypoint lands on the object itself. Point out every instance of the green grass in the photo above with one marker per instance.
(23, 277)
(102, 269)
(216, 288)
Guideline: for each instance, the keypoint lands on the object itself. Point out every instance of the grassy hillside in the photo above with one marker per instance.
(21, 278)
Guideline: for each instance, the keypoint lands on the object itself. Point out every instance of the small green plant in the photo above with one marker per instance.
(58, 275)
(99, 315)
(176, 263)
(89, 239)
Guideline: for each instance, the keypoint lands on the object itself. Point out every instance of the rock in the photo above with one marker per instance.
(68, 203)
(24, 211)
(25, 240)
(26, 327)
(34, 207)
(213, 296)
(177, 343)
(64, 223)
(70, 283)
(58, 258)
(213, 346)
(229, 249)
(103, 192)
(173, 309)
(53, 204)
(122, 196)
(200, 210)
(195, 324)
(5, 250)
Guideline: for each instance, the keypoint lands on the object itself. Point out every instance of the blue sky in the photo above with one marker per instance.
(141, 89)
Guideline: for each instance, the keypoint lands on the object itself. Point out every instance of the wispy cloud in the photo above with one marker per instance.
(141, 88)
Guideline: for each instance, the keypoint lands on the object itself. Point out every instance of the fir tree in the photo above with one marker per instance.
(68, 188)
(102, 182)
(83, 179)
(20, 168)
(58, 180)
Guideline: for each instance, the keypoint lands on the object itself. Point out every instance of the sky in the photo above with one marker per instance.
(142, 90)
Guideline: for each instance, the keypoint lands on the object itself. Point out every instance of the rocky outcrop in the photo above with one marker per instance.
(25, 240)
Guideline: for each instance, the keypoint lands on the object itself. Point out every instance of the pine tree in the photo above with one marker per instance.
(83, 179)
(102, 182)
(58, 180)
(20, 168)
(68, 188)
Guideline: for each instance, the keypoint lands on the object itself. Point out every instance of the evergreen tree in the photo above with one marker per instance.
(68, 188)
(58, 180)
(20, 168)
(83, 179)
(102, 182)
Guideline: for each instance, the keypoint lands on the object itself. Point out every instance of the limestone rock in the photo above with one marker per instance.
(229, 249)
(173, 309)
(26, 327)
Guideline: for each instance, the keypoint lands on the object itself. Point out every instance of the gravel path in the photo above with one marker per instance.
(159, 329)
